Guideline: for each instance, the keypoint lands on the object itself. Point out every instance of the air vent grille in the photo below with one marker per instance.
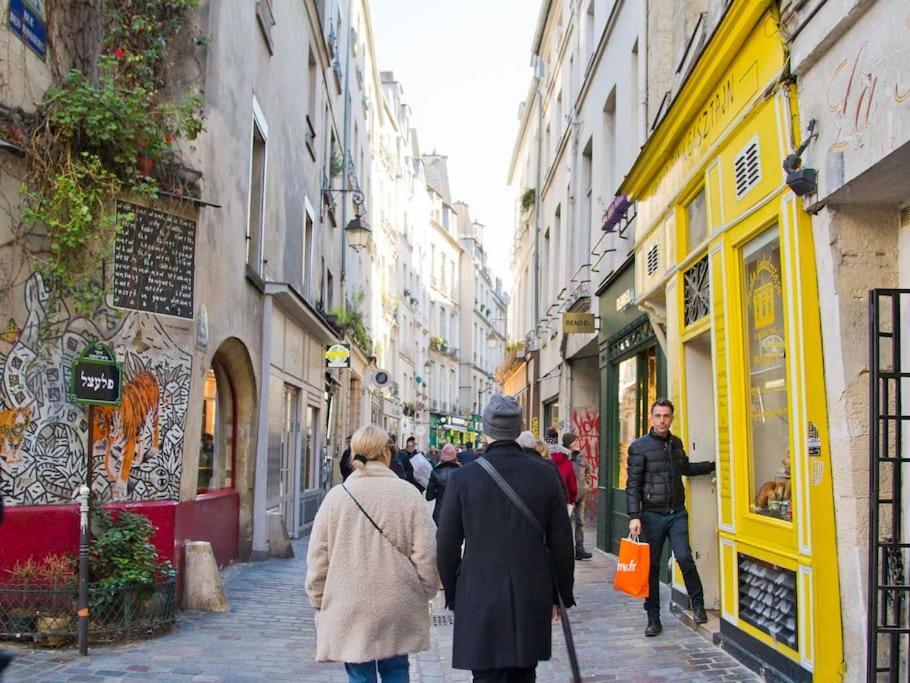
(747, 168)
(653, 259)
(905, 217)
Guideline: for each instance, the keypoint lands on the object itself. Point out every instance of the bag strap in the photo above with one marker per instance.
(514, 497)
(376, 526)
(563, 612)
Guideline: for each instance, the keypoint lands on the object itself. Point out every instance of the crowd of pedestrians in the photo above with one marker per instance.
(506, 529)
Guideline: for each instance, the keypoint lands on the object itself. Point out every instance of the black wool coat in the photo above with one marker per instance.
(501, 590)
(656, 466)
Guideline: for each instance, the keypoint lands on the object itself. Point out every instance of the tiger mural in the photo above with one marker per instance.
(124, 425)
(13, 423)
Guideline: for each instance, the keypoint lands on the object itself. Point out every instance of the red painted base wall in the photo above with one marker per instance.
(37, 531)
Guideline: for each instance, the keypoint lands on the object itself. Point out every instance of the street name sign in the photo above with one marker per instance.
(96, 378)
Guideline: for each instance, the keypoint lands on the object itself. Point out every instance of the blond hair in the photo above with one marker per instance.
(541, 448)
(371, 442)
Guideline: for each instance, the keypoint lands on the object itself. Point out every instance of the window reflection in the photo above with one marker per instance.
(769, 447)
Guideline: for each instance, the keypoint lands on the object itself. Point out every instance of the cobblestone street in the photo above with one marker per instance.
(269, 636)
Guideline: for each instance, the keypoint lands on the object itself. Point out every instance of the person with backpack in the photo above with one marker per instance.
(515, 570)
(583, 481)
(560, 456)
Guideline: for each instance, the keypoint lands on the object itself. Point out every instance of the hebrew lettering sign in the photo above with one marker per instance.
(96, 377)
(154, 262)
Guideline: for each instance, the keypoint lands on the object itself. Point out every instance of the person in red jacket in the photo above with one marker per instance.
(561, 456)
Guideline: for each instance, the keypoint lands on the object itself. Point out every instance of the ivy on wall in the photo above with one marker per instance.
(106, 127)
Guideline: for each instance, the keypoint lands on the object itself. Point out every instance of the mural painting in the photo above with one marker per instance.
(586, 424)
(138, 445)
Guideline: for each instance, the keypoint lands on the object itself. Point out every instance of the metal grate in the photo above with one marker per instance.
(905, 217)
(889, 552)
(747, 168)
(697, 289)
(653, 259)
(443, 619)
(767, 599)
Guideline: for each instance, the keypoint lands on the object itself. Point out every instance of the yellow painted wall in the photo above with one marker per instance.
(703, 154)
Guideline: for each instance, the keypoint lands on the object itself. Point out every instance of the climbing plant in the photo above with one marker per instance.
(103, 129)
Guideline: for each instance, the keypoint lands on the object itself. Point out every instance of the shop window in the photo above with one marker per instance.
(767, 599)
(551, 414)
(637, 390)
(216, 450)
(766, 363)
(628, 415)
(696, 221)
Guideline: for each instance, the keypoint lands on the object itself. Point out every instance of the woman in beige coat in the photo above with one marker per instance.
(371, 588)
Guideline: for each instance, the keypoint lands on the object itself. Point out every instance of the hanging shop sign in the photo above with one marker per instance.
(579, 323)
(96, 378)
(338, 356)
(26, 20)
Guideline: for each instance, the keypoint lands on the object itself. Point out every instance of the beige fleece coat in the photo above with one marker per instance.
(371, 599)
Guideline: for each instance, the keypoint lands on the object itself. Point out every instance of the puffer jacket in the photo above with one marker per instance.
(656, 466)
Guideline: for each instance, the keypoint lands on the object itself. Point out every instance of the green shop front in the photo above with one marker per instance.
(454, 429)
(632, 375)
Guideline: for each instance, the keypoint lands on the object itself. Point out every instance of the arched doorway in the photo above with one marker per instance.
(226, 437)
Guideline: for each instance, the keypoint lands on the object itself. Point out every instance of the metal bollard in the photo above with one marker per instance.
(83, 569)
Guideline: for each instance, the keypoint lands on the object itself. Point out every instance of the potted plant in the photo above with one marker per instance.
(19, 617)
(58, 579)
(527, 199)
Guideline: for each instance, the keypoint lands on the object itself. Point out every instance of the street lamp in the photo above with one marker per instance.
(357, 231)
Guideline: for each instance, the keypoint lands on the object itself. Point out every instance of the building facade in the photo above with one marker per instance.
(725, 266)
(849, 62)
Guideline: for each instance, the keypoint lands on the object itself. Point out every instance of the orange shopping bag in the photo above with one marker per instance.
(633, 568)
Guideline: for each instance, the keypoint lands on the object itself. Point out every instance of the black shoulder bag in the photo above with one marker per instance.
(563, 613)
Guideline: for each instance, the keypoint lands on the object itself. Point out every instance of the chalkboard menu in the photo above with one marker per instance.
(767, 599)
(154, 262)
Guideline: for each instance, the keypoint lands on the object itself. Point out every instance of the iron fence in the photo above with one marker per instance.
(47, 616)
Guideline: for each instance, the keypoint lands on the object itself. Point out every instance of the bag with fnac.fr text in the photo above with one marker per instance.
(633, 568)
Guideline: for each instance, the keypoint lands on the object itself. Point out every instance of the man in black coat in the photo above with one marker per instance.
(404, 459)
(656, 500)
(502, 590)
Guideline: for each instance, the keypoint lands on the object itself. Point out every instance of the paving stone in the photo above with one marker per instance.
(269, 634)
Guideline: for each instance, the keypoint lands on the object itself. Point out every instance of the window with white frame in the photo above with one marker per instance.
(256, 219)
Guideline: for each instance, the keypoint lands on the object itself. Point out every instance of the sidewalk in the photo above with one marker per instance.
(269, 635)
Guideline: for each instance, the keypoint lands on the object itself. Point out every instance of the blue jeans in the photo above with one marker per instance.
(657, 527)
(392, 670)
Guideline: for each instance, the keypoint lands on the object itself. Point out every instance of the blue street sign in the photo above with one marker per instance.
(26, 21)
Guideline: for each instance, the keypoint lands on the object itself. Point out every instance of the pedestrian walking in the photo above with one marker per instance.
(583, 482)
(502, 590)
(436, 489)
(656, 503)
(404, 460)
(560, 456)
(538, 450)
(371, 531)
(345, 466)
(468, 454)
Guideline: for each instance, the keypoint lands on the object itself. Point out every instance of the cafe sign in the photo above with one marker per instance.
(338, 356)
(578, 323)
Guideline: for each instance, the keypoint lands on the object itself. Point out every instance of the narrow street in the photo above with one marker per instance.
(269, 635)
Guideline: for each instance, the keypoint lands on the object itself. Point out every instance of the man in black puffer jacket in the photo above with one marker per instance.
(656, 499)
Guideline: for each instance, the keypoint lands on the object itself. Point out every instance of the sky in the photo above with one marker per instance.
(465, 68)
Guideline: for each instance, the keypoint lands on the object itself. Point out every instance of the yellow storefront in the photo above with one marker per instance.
(724, 259)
